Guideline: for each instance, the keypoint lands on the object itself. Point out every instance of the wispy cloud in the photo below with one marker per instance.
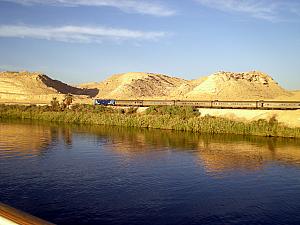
(148, 7)
(78, 34)
(271, 10)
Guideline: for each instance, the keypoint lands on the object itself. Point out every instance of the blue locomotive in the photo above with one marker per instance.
(105, 102)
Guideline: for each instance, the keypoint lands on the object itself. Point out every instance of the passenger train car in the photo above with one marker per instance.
(203, 104)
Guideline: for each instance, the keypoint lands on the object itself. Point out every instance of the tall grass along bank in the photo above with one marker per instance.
(172, 117)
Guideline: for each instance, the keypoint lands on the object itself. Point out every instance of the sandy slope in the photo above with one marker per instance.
(35, 87)
(24, 86)
(136, 86)
(251, 85)
(237, 86)
(294, 96)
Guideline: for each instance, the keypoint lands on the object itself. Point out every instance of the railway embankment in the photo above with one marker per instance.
(156, 117)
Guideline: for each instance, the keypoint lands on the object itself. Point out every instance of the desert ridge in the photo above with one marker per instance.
(40, 88)
(137, 85)
(238, 86)
(27, 87)
(251, 85)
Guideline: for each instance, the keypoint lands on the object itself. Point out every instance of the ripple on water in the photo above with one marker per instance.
(111, 175)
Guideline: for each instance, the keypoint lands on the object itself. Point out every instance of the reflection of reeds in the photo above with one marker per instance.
(217, 153)
(172, 119)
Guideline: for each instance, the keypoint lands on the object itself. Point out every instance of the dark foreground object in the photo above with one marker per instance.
(19, 217)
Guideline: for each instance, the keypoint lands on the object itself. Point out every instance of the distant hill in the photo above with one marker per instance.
(251, 85)
(26, 86)
(136, 86)
(38, 87)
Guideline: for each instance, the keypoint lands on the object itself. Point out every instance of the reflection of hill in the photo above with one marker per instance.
(220, 156)
(23, 139)
(27, 139)
(217, 153)
(250, 154)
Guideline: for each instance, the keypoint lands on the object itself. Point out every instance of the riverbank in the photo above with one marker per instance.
(171, 118)
(289, 118)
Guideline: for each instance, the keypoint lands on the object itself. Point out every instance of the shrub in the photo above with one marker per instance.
(131, 110)
(182, 111)
(55, 104)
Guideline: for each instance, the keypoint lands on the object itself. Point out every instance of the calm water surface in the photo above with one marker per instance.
(110, 175)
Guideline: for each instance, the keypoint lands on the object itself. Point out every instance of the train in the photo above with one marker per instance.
(291, 105)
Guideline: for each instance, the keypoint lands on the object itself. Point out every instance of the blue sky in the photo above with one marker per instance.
(87, 40)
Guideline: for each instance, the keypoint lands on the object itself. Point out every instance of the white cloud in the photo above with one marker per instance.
(136, 6)
(77, 34)
(271, 10)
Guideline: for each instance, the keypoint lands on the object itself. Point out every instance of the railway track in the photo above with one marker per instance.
(268, 105)
(264, 105)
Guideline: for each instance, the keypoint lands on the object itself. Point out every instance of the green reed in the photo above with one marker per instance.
(164, 117)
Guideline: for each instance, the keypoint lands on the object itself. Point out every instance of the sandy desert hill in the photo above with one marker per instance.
(136, 85)
(35, 87)
(251, 85)
(38, 88)
(295, 96)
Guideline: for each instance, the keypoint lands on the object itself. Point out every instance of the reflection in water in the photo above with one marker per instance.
(217, 153)
(25, 139)
(248, 154)
(113, 175)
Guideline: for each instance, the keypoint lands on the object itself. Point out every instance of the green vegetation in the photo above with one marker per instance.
(55, 105)
(164, 117)
(184, 112)
(67, 101)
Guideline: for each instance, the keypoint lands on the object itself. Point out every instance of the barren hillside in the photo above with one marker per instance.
(237, 86)
(137, 86)
(26, 86)
(180, 91)
(219, 86)
(37, 87)
(294, 96)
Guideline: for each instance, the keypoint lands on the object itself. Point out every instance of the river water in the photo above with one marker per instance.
(112, 175)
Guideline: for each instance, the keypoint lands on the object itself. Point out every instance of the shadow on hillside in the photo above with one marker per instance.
(67, 89)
